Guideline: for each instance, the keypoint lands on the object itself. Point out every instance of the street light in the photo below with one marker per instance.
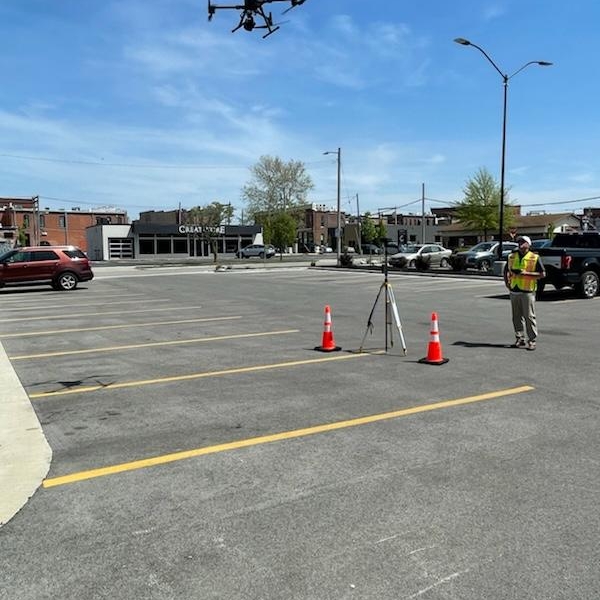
(339, 214)
(505, 79)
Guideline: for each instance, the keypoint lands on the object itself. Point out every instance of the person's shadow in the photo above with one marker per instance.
(481, 345)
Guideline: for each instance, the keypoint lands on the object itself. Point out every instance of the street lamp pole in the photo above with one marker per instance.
(505, 80)
(339, 212)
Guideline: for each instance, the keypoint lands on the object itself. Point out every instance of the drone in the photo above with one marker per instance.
(252, 9)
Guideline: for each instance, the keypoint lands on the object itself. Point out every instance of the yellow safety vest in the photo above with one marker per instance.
(526, 263)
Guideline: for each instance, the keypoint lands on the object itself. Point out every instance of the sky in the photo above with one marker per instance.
(145, 105)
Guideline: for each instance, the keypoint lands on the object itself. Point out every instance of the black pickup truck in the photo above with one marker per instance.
(572, 260)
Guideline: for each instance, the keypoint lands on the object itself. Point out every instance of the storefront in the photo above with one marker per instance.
(152, 240)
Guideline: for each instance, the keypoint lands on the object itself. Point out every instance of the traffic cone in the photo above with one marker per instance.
(434, 349)
(328, 343)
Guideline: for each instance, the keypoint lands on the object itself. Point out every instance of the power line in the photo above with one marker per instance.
(103, 163)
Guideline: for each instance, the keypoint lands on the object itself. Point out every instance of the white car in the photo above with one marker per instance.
(434, 254)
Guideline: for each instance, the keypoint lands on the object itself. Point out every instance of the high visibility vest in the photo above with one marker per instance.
(525, 263)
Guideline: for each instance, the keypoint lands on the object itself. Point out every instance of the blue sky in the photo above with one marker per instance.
(143, 104)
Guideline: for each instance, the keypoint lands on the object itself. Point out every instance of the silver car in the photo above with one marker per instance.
(256, 250)
(434, 254)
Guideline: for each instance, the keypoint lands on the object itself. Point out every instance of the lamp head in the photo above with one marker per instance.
(462, 41)
(544, 63)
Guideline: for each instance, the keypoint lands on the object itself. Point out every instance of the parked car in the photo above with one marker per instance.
(482, 255)
(256, 250)
(370, 249)
(63, 267)
(540, 243)
(433, 254)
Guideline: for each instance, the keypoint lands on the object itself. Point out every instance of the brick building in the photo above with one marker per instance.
(45, 226)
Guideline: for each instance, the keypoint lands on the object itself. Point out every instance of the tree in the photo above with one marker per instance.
(22, 236)
(276, 186)
(281, 231)
(480, 208)
(210, 219)
(381, 232)
(368, 229)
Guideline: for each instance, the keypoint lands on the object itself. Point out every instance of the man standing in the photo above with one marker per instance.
(523, 269)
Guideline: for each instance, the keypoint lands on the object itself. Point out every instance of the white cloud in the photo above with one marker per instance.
(493, 11)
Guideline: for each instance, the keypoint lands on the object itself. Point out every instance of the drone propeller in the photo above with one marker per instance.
(294, 4)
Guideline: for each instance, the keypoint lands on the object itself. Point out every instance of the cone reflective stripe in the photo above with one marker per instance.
(434, 349)
(327, 343)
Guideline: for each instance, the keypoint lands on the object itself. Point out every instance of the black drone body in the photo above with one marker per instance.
(250, 10)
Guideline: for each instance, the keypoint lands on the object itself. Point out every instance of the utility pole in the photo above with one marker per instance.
(422, 213)
(359, 227)
(36, 221)
(339, 210)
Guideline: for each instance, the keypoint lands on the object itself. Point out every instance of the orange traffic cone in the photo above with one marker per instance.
(434, 350)
(327, 344)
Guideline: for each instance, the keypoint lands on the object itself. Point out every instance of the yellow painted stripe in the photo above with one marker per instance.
(123, 326)
(191, 376)
(276, 437)
(153, 344)
(100, 314)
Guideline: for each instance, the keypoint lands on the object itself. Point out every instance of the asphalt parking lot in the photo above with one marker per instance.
(203, 449)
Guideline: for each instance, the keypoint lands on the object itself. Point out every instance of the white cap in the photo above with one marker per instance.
(523, 238)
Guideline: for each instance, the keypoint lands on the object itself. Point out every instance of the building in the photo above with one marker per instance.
(164, 234)
(456, 235)
(319, 228)
(24, 218)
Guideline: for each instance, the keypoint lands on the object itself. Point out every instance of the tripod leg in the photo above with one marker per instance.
(370, 319)
(397, 319)
(389, 332)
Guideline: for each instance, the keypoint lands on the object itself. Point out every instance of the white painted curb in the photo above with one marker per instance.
(24, 452)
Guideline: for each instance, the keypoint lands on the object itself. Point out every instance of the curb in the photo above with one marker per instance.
(24, 451)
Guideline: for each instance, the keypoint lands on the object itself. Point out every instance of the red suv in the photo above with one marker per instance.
(63, 267)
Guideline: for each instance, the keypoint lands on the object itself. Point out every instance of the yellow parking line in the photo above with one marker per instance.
(153, 344)
(100, 314)
(191, 376)
(123, 326)
(276, 437)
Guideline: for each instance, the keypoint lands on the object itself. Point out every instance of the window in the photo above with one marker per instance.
(163, 245)
(43, 255)
(146, 245)
(18, 257)
(62, 221)
(26, 221)
(42, 221)
(75, 253)
(180, 245)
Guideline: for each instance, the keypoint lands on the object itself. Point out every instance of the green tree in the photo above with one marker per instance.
(276, 186)
(280, 231)
(480, 207)
(367, 228)
(22, 236)
(381, 232)
(211, 218)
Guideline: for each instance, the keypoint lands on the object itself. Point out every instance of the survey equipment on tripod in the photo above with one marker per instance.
(392, 316)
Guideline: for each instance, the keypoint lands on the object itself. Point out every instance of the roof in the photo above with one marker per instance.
(521, 222)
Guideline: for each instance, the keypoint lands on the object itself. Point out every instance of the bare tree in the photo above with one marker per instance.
(276, 186)
(210, 220)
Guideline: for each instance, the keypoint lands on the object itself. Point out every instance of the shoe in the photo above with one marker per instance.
(531, 346)
(520, 343)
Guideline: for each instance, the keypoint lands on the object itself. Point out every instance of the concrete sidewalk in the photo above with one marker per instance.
(24, 452)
